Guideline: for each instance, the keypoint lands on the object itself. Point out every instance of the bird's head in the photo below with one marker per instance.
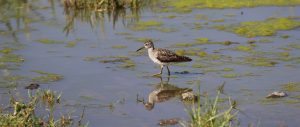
(148, 44)
(149, 106)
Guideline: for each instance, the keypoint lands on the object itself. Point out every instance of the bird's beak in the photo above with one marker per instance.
(140, 48)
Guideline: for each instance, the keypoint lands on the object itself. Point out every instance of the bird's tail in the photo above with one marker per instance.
(185, 59)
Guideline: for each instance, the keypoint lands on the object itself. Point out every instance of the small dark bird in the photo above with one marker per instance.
(32, 86)
(163, 57)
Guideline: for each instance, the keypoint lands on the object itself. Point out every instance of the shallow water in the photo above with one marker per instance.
(96, 85)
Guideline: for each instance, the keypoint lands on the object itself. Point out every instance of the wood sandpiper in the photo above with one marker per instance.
(163, 57)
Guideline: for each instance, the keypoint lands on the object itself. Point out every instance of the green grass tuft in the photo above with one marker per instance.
(212, 112)
(24, 113)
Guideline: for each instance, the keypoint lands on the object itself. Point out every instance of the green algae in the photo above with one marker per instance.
(294, 45)
(209, 69)
(119, 46)
(12, 78)
(230, 15)
(201, 17)
(6, 50)
(144, 25)
(182, 6)
(11, 81)
(245, 48)
(153, 25)
(141, 39)
(268, 58)
(6, 84)
(128, 64)
(186, 52)
(292, 101)
(233, 75)
(285, 36)
(215, 56)
(46, 77)
(8, 60)
(3, 66)
(166, 30)
(270, 101)
(221, 27)
(291, 87)
(149, 23)
(180, 45)
(197, 26)
(72, 44)
(260, 61)
(123, 61)
(119, 56)
(11, 46)
(123, 33)
(179, 5)
(49, 41)
(114, 60)
(296, 96)
(217, 20)
(180, 52)
(199, 65)
(202, 54)
(7, 57)
(161, 10)
(251, 41)
(201, 41)
(171, 16)
(91, 58)
(265, 40)
(284, 54)
(228, 69)
(267, 27)
(14, 58)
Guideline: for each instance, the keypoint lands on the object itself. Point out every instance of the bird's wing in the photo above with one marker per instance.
(165, 55)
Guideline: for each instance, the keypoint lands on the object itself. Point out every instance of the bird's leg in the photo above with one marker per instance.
(161, 82)
(168, 70)
(161, 69)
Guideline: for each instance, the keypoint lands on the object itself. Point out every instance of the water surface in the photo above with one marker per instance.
(97, 85)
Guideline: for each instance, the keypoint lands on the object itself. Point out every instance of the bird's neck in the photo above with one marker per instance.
(150, 49)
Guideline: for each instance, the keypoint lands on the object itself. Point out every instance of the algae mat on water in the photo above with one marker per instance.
(267, 27)
(46, 77)
(144, 25)
(190, 4)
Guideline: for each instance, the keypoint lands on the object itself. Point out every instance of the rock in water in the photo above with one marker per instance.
(167, 122)
(277, 94)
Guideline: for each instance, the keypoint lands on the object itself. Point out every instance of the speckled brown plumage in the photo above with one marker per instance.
(163, 56)
(166, 56)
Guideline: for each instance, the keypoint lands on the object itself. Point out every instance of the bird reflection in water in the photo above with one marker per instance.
(164, 92)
